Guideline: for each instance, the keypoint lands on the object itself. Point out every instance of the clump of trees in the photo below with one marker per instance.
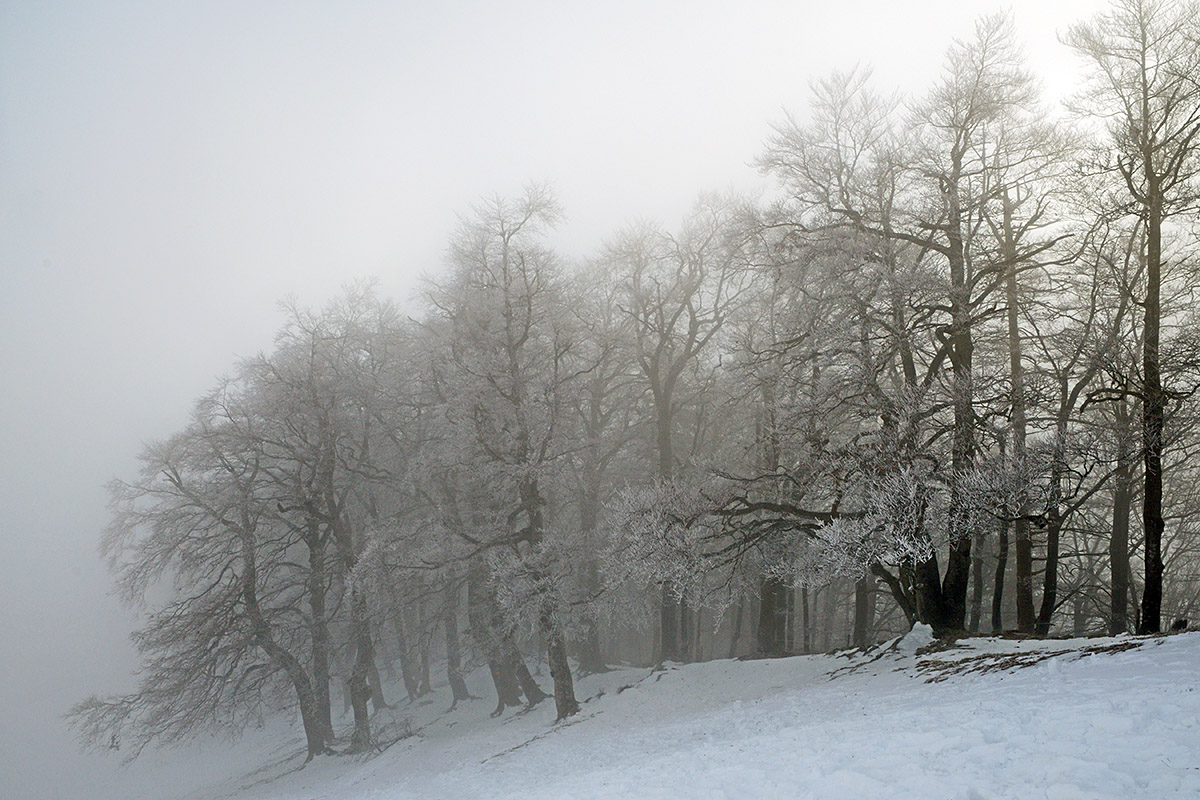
(962, 328)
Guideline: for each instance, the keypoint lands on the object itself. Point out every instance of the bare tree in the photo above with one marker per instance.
(679, 293)
(202, 516)
(509, 377)
(1145, 86)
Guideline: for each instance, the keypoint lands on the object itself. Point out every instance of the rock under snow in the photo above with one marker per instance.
(920, 636)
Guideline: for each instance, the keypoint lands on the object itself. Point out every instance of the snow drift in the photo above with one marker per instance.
(981, 720)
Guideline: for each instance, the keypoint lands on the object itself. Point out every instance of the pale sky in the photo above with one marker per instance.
(170, 170)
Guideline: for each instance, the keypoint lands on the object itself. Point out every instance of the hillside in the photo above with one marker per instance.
(1096, 718)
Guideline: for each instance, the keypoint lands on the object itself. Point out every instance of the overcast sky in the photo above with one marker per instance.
(170, 170)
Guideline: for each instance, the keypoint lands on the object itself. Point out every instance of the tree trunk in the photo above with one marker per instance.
(458, 687)
(952, 604)
(319, 631)
(508, 693)
(737, 628)
(1153, 414)
(314, 731)
(1023, 544)
(360, 690)
(998, 579)
(932, 606)
(976, 585)
(481, 614)
(772, 616)
(565, 703)
(533, 693)
(1118, 543)
(805, 621)
(591, 657)
(1054, 517)
(668, 626)
(864, 611)
(423, 684)
(1050, 576)
(687, 643)
(671, 614)
(378, 701)
(360, 632)
(829, 614)
(549, 620)
(408, 670)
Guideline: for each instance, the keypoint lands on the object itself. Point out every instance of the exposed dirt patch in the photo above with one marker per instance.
(937, 670)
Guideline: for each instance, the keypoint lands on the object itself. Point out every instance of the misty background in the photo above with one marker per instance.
(169, 172)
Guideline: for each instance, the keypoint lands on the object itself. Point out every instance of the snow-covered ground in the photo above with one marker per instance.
(1080, 719)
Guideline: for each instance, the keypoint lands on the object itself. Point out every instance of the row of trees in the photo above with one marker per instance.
(961, 329)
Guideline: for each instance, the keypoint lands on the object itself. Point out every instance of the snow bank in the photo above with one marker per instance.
(988, 720)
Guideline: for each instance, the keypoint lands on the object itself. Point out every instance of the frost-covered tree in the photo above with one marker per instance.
(506, 383)
(679, 291)
(199, 526)
(1145, 85)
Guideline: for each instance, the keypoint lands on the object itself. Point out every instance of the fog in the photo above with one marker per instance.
(169, 172)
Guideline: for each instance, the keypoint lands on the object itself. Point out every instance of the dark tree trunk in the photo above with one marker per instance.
(976, 585)
(565, 703)
(805, 620)
(951, 606)
(360, 631)
(378, 701)
(533, 693)
(864, 611)
(790, 634)
(1153, 416)
(1118, 544)
(932, 607)
(319, 630)
(1054, 516)
(548, 618)
(310, 719)
(360, 690)
(1050, 576)
(481, 614)
(671, 613)
(591, 656)
(508, 693)
(423, 685)
(668, 626)
(408, 670)
(1023, 545)
(687, 644)
(1021, 537)
(772, 616)
(902, 588)
(314, 731)
(998, 579)
(829, 613)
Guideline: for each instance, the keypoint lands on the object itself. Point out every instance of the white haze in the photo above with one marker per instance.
(168, 171)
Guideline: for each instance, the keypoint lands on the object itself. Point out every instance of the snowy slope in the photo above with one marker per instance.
(1100, 718)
